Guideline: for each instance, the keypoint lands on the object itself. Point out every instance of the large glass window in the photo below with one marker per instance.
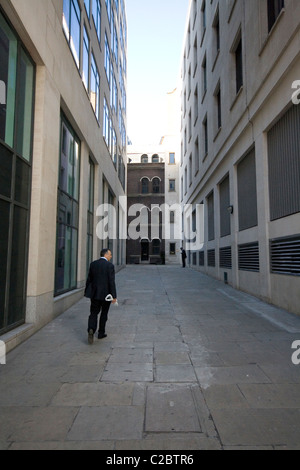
(274, 9)
(68, 211)
(114, 92)
(97, 17)
(6, 165)
(108, 7)
(172, 185)
(107, 59)
(239, 65)
(172, 160)
(115, 43)
(8, 74)
(225, 216)
(87, 7)
(247, 191)
(156, 186)
(145, 186)
(71, 26)
(4, 231)
(211, 217)
(85, 59)
(24, 115)
(95, 87)
(18, 261)
(156, 247)
(16, 117)
(90, 214)
(114, 151)
(117, 6)
(106, 123)
(111, 222)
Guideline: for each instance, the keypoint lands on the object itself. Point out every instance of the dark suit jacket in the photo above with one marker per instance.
(101, 280)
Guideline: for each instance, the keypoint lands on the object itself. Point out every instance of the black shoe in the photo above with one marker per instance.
(102, 336)
(91, 337)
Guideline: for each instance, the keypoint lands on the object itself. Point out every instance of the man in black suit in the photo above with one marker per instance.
(183, 257)
(100, 283)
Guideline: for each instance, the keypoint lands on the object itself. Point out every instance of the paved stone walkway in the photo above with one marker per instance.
(189, 364)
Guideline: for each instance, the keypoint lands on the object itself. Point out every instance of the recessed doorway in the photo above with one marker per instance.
(145, 250)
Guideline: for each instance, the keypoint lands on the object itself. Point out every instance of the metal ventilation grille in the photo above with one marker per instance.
(249, 257)
(225, 258)
(285, 255)
(201, 258)
(211, 258)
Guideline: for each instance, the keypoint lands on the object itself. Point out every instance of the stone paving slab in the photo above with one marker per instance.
(65, 445)
(128, 372)
(108, 423)
(169, 358)
(175, 373)
(82, 373)
(170, 346)
(36, 423)
(284, 374)
(225, 396)
(250, 427)
(271, 395)
(249, 373)
(131, 355)
(94, 394)
(165, 441)
(27, 394)
(171, 409)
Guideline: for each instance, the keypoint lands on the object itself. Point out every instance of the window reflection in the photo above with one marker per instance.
(24, 117)
(8, 73)
(71, 26)
(68, 212)
(17, 74)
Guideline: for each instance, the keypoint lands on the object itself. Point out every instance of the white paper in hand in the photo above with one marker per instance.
(109, 298)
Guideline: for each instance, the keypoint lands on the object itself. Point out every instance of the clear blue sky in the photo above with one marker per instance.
(155, 40)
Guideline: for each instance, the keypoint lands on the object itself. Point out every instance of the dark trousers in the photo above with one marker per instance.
(98, 306)
(183, 262)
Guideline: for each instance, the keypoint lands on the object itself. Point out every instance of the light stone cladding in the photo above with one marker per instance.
(59, 88)
(214, 139)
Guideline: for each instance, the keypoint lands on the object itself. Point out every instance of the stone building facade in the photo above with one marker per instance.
(146, 187)
(240, 143)
(153, 181)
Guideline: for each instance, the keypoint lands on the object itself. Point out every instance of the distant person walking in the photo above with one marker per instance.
(183, 257)
(100, 283)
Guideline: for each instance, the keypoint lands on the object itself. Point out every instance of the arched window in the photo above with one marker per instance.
(144, 159)
(145, 186)
(145, 245)
(156, 247)
(155, 159)
(156, 185)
